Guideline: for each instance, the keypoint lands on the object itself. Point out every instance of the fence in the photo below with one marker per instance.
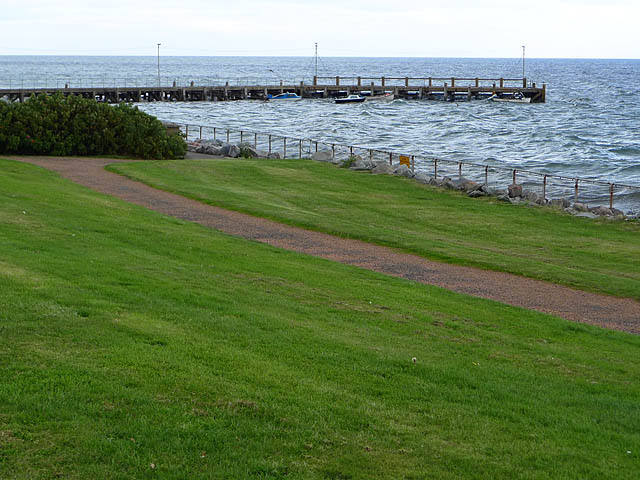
(546, 185)
(43, 81)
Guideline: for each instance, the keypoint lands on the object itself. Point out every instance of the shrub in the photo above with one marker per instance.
(71, 125)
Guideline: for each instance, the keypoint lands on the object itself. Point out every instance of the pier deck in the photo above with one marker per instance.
(447, 89)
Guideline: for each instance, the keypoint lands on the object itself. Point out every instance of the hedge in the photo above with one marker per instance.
(61, 125)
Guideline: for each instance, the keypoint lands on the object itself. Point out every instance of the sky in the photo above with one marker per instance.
(369, 28)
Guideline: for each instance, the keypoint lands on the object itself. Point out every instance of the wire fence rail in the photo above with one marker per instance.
(545, 185)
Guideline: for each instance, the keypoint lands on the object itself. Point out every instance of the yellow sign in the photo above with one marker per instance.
(404, 160)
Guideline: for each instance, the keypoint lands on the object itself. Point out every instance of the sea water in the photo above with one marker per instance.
(588, 128)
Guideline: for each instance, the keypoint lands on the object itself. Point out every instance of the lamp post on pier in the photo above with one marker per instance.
(159, 85)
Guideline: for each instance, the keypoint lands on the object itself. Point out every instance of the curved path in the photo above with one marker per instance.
(611, 312)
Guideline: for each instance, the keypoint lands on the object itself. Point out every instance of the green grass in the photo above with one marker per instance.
(128, 339)
(599, 256)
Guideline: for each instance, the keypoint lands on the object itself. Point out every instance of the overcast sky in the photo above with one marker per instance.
(422, 28)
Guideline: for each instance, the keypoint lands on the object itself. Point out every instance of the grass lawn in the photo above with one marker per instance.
(599, 256)
(133, 345)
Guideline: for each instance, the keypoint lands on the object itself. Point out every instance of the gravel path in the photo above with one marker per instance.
(610, 312)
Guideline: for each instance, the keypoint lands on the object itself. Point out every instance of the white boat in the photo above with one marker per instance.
(386, 97)
(351, 99)
(517, 97)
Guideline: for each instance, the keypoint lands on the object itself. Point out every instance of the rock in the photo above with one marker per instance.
(449, 185)
(211, 150)
(403, 170)
(560, 203)
(504, 197)
(224, 149)
(476, 194)
(580, 207)
(422, 177)
(248, 151)
(602, 211)
(532, 197)
(466, 185)
(515, 200)
(615, 212)
(274, 156)
(515, 190)
(323, 156)
(434, 182)
(382, 168)
(541, 201)
(363, 164)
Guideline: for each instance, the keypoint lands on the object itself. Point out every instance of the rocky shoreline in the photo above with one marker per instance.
(514, 194)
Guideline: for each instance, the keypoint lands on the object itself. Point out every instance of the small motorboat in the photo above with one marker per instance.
(284, 96)
(385, 97)
(351, 99)
(517, 97)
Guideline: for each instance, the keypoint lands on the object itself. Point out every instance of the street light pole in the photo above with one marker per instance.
(159, 66)
(523, 62)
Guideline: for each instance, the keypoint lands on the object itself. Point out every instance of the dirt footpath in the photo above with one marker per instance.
(576, 305)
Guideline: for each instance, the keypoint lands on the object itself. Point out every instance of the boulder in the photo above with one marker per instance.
(580, 207)
(403, 170)
(274, 156)
(602, 211)
(466, 185)
(422, 177)
(560, 203)
(210, 150)
(532, 197)
(233, 152)
(382, 168)
(323, 156)
(504, 197)
(515, 190)
(248, 151)
(361, 164)
(476, 193)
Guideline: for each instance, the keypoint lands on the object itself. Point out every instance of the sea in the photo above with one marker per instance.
(588, 128)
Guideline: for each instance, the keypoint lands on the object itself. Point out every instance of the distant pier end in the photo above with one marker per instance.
(432, 88)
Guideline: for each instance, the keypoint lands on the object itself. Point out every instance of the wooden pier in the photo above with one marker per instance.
(430, 88)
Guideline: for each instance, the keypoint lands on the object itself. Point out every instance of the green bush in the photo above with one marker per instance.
(71, 125)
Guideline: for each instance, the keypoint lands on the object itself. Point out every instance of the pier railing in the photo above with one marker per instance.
(544, 185)
(147, 81)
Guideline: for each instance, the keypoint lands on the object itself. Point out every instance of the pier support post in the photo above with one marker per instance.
(337, 80)
(245, 93)
(359, 81)
(382, 81)
(453, 82)
(302, 89)
(469, 93)
(524, 82)
(372, 90)
(502, 83)
(445, 92)
(315, 81)
(544, 92)
(477, 82)
(406, 81)
(325, 93)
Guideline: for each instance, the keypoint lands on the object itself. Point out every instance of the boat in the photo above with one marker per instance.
(517, 97)
(386, 97)
(351, 99)
(284, 96)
